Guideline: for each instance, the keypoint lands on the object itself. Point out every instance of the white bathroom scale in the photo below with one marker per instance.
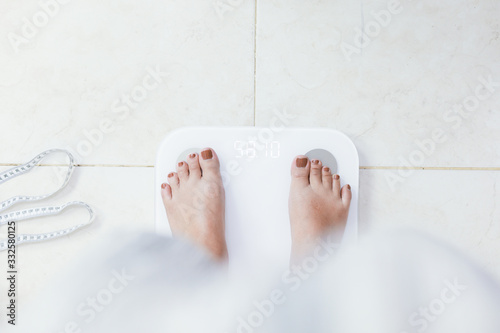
(255, 166)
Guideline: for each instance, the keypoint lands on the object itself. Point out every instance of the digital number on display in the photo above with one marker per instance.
(251, 149)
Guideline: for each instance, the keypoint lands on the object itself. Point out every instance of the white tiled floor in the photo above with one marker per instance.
(398, 89)
(392, 96)
(84, 65)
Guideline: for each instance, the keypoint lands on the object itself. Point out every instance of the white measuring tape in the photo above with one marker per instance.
(41, 211)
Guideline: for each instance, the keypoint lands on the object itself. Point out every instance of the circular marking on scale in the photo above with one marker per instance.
(184, 155)
(325, 157)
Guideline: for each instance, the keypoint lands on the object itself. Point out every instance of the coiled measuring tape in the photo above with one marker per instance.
(30, 213)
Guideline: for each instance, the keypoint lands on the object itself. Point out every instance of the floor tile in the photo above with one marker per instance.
(109, 79)
(122, 199)
(460, 207)
(394, 95)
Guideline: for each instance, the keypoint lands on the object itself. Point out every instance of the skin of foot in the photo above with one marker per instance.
(317, 205)
(194, 200)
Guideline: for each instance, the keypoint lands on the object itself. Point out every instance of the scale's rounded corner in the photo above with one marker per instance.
(347, 140)
(169, 137)
(353, 147)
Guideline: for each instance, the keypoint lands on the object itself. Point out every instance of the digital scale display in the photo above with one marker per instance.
(254, 149)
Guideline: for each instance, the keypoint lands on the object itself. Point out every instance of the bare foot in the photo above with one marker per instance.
(195, 202)
(317, 204)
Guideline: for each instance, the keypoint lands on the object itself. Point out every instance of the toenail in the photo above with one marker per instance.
(192, 155)
(170, 175)
(206, 154)
(181, 164)
(301, 162)
(348, 187)
(336, 177)
(315, 162)
(327, 169)
(163, 185)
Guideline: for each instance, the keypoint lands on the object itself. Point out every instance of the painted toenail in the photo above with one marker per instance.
(348, 187)
(163, 185)
(192, 155)
(316, 162)
(327, 169)
(206, 154)
(336, 177)
(170, 175)
(301, 162)
(180, 164)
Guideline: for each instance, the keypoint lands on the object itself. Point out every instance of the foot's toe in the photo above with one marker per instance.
(316, 171)
(209, 162)
(336, 185)
(300, 170)
(166, 193)
(173, 180)
(183, 171)
(346, 195)
(194, 166)
(327, 178)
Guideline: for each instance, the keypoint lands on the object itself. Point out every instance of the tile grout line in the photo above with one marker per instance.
(429, 168)
(255, 67)
(83, 165)
(361, 167)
